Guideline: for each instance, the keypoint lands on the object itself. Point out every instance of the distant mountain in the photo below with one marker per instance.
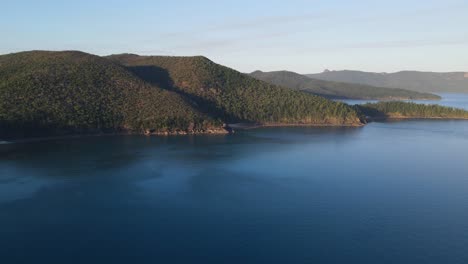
(451, 82)
(337, 89)
(231, 96)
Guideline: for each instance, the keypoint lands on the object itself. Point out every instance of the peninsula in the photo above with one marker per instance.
(48, 93)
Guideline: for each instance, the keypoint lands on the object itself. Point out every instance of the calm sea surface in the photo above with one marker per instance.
(393, 192)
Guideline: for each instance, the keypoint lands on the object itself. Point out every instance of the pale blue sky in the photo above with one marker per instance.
(302, 36)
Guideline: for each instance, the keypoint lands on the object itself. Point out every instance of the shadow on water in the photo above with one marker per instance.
(26, 168)
(86, 154)
(268, 195)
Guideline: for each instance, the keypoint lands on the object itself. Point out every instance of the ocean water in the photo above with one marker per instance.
(391, 192)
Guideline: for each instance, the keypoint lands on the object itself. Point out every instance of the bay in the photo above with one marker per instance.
(389, 192)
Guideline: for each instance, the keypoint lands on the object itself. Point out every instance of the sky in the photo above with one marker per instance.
(301, 36)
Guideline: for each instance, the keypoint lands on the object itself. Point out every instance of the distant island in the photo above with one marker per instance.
(432, 82)
(45, 94)
(339, 90)
(405, 110)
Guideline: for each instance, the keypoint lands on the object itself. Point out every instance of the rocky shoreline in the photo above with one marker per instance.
(211, 131)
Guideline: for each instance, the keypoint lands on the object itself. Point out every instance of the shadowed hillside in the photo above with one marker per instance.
(235, 97)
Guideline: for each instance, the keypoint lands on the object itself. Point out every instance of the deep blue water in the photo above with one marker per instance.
(393, 192)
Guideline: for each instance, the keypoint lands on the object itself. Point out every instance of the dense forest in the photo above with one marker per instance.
(338, 89)
(236, 97)
(410, 110)
(55, 93)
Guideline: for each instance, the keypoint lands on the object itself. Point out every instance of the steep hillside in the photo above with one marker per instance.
(55, 93)
(450, 82)
(337, 89)
(235, 97)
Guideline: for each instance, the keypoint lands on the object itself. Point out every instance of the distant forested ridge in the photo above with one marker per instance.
(396, 110)
(340, 90)
(442, 82)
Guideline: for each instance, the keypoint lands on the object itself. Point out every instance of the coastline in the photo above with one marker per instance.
(387, 99)
(226, 130)
(396, 118)
(247, 126)
(122, 133)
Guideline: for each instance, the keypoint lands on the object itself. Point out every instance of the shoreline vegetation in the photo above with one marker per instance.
(46, 94)
(227, 129)
(407, 110)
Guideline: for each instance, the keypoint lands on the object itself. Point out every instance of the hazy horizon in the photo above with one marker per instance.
(299, 36)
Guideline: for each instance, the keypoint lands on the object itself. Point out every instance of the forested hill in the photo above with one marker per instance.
(337, 89)
(233, 96)
(58, 93)
(54, 93)
(448, 82)
(46, 93)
